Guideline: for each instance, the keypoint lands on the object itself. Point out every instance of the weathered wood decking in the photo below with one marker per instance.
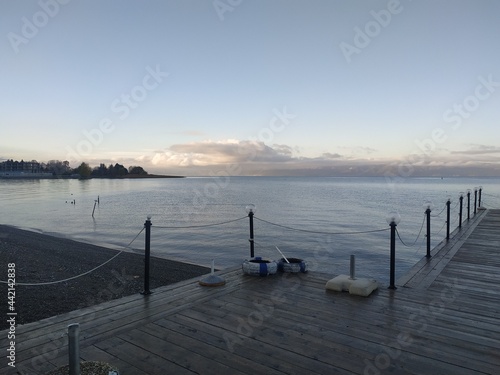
(444, 318)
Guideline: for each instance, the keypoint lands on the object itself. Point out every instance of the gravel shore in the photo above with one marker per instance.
(40, 258)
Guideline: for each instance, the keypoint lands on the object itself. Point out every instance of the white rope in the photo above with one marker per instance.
(78, 276)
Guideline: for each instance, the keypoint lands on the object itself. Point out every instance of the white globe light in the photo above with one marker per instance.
(250, 208)
(393, 217)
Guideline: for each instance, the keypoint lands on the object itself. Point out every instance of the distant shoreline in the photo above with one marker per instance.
(145, 176)
(72, 177)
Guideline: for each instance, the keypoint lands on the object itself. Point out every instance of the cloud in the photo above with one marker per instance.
(245, 157)
(209, 152)
(478, 150)
(328, 155)
(256, 158)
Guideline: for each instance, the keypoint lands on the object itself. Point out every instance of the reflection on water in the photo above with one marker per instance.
(315, 204)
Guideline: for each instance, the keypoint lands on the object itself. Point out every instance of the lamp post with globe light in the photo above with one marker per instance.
(448, 204)
(428, 210)
(251, 211)
(461, 198)
(393, 220)
(475, 200)
(468, 203)
(147, 249)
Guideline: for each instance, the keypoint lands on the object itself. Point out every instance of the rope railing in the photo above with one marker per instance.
(447, 223)
(439, 214)
(200, 226)
(421, 245)
(80, 275)
(440, 230)
(320, 232)
(416, 239)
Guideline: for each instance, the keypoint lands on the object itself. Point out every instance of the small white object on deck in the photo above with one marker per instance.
(359, 287)
(212, 279)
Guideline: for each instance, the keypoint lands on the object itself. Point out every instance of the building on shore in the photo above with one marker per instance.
(22, 169)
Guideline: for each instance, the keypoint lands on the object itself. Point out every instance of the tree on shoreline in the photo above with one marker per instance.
(137, 171)
(84, 170)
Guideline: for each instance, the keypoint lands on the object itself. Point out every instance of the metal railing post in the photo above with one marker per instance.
(251, 210)
(252, 244)
(393, 255)
(428, 213)
(468, 204)
(461, 210)
(147, 256)
(74, 348)
(448, 204)
(475, 201)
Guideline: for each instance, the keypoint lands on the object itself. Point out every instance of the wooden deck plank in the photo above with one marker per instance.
(115, 316)
(239, 344)
(361, 330)
(146, 362)
(235, 364)
(244, 358)
(166, 348)
(445, 318)
(93, 353)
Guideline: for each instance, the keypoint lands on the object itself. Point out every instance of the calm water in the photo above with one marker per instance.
(333, 205)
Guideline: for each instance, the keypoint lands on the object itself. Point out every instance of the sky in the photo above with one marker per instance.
(254, 87)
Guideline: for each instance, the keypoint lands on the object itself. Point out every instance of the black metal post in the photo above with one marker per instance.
(428, 213)
(475, 201)
(250, 216)
(393, 254)
(448, 204)
(468, 204)
(480, 193)
(461, 210)
(147, 256)
(74, 348)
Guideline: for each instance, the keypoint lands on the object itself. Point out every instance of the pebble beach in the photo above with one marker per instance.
(41, 258)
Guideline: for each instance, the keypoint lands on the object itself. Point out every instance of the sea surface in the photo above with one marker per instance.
(316, 219)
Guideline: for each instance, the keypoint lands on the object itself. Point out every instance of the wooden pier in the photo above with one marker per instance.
(444, 318)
